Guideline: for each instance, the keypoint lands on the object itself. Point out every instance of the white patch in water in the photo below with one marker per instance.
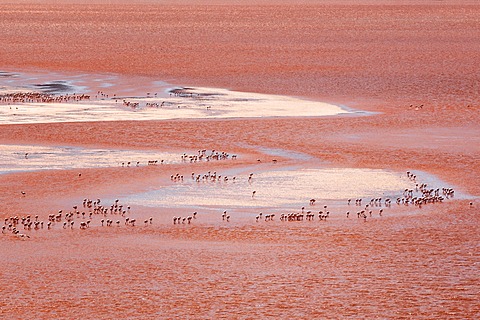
(192, 103)
(286, 188)
(16, 158)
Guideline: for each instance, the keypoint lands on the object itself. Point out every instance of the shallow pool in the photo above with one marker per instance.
(290, 187)
(113, 98)
(15, 158)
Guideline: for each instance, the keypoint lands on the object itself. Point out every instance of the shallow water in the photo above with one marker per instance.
(16, 158)
(393, 268)
(276, 152)
(290, 187)
(43, 81)
(112, 99)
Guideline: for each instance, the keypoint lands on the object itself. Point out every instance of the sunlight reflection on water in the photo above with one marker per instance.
(289, 187)
(13, 158)
(124, 103)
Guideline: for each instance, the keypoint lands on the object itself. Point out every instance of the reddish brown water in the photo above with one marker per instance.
(409, 265)
(420, 267)
(405, 52)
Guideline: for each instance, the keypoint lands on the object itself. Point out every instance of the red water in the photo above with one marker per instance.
(414, 265)
(405, 52)
(421, 267)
